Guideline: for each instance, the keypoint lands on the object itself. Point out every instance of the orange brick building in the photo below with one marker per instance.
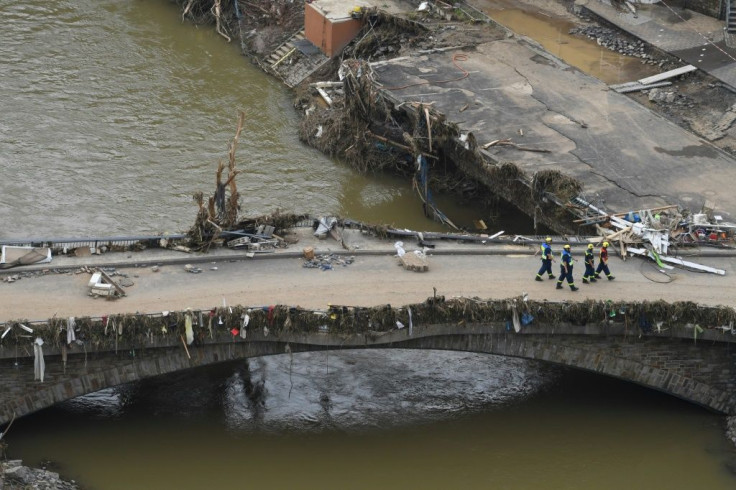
(329, 25)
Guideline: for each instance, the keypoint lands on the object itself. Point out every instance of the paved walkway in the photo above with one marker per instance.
(374, 278)
(694, 38)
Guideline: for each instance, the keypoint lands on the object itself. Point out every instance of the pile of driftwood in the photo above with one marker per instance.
(232, 19)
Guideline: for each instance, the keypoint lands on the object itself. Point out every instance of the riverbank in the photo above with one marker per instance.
(16, 476)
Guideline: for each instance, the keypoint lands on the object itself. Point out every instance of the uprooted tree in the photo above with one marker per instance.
(218, 215)
(221, 211)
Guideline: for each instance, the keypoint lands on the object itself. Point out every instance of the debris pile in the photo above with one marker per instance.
(328, 262)
(102, 284)
(259, 25)
(654, 232)
(669, 97)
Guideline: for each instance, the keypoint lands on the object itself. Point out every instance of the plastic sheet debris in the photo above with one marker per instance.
(39, 365)
(324, 225)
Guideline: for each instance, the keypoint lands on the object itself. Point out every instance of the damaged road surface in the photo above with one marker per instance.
(556, 118)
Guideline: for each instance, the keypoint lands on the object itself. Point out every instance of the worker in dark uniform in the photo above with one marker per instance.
(547, 259)
(603, 263)
(589, 276)
(566, 263)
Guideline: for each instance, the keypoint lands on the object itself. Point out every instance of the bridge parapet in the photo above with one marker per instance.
(677, 356)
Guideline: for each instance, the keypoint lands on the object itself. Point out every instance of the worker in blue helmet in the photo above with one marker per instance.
(566, 264)
(547, 259)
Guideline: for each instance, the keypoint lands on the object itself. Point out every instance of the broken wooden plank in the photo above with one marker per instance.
(324, 96)
(326, 84)
(283, 58)
(677, 261)
(397, 145)
(668, 74)
(494, 143)
(625, 88)
(523, 148)
(110, 280)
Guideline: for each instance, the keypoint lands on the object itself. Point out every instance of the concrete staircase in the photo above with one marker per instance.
(283, 52)
(731, 16)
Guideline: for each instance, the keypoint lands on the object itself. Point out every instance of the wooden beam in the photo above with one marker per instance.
(397, 145)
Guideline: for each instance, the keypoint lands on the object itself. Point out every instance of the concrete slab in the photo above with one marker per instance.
(626, 156)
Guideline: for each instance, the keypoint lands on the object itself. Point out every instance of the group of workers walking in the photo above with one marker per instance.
(566, 264)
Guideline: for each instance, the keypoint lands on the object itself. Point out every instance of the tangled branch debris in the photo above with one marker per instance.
(221, 211)
(224, 323)
(218, 216)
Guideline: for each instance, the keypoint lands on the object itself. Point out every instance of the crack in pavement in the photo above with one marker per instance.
(575, 143)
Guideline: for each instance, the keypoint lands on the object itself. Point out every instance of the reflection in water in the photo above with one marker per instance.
(380, 418)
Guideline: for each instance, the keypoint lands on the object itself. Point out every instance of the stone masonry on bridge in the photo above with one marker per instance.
(698, 365)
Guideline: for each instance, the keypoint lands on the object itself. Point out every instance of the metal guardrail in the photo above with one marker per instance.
(72, 243)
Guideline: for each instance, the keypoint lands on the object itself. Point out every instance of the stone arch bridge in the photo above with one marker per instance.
(699, 369)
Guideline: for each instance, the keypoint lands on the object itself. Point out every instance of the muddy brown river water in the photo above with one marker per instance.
(113, 114)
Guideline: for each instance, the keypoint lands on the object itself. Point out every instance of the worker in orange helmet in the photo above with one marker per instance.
(603, 263)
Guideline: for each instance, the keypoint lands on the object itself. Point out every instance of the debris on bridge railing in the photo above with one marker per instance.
(141, 331)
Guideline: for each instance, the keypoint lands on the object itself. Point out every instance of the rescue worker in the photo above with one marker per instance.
(603, 263)
(547, 259)
(589, 276)
(566, 263)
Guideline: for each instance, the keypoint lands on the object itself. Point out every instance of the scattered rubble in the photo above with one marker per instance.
(102, 284)
(192, 269)
(696, 101)
(327, 262)
(615, 41)
(14, 475)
